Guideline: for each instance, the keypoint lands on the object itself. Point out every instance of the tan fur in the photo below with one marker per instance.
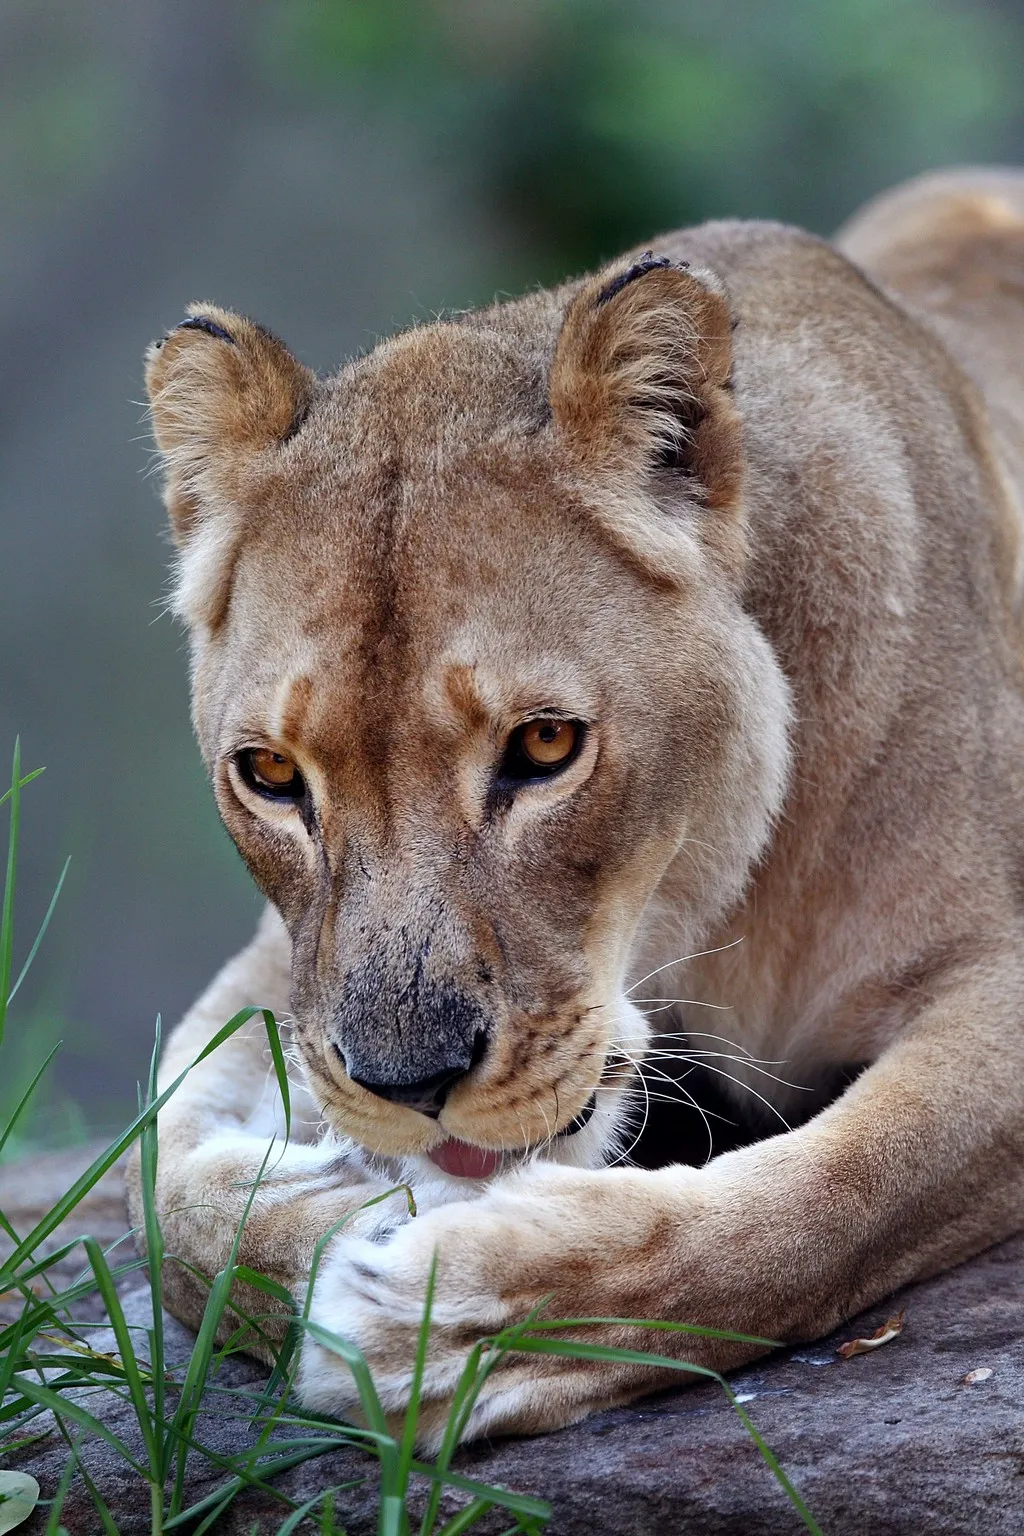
(755, 520)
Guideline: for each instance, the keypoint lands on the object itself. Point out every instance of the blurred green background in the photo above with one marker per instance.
(336, 168)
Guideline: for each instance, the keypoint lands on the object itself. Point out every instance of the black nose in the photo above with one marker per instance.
(427, 1094)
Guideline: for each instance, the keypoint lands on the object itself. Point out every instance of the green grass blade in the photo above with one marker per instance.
(408, 1442)
(478, 1367)
(280, 1069)
(126, 1351)
(82, 1185)
(35, 1392)
(10, 1356)
(571, 1350)
(249, 1319)
(81, 1287)
(776, 1466)
(518, 1503)
(466, 1518)
(288, 1349)
(212, 1518)
(296, 1517)
(202, 1354)
(196, 1375)
(466, 1391)
(391, 1519)
(263, 1283)
(657, 1325)
(20, 1281)
(25, 1099)
(26, 780)
(53, 1523)
(356, 1363)
(99, 1503)
(7, 906)
(41, 933)
(238, 1482)
(370, 1402)
(219, 1500)
(75, 1464)
(148, 1159)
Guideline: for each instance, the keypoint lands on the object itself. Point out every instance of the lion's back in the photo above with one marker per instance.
(949, 246)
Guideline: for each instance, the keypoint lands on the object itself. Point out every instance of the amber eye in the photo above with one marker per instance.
(270, 773)
(548, 742)
(542, 747)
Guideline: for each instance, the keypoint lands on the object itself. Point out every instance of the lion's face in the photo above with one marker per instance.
(471, 678)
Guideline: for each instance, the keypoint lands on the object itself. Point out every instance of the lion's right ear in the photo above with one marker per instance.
(221, 389)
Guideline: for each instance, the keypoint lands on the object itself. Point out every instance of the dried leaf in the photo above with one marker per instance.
(75, 1346)
(19, 1494)
(890, 1329)
(981, 1373)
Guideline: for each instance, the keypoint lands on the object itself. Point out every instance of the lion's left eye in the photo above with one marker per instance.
(541, 747)
(271, 773)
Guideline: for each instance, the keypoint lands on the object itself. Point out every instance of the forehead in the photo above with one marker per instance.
(430, 394)
(422, 514)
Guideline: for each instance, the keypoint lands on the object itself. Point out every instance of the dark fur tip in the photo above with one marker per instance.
(648, 263)
(208, 327)
(582, 1119)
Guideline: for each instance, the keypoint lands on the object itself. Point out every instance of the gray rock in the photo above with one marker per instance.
(892, 1443)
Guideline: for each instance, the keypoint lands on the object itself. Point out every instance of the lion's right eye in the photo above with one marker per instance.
(540, 748)
(270, 774)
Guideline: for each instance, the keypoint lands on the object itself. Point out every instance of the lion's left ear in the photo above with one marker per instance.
(640, 390)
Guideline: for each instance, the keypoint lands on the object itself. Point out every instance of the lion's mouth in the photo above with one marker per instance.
(464, 1160)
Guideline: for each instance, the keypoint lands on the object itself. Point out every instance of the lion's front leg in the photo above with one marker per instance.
(919, 1165)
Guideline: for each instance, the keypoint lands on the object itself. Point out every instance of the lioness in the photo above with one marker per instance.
(616, 684)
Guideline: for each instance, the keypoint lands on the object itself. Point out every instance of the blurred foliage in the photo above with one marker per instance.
(64, 101)
(593, 123)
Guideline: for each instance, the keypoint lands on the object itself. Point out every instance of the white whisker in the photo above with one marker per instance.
(701, 1058)
(687, 1055)
(622, 1156)
(673, 1002)
(699, 1034)
(707, 1126)
(699, 955)
(760, 1096)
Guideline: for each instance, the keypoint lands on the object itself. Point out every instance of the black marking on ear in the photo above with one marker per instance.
(208, 327)
(648, 263)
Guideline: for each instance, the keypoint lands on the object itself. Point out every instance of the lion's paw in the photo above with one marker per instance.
(495, 1259)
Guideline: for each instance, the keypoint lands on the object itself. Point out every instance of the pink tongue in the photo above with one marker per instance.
(464, 1160)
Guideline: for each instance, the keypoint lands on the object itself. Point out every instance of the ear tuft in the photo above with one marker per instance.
(221, 390)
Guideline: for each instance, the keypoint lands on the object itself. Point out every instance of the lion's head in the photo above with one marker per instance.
(473, 679)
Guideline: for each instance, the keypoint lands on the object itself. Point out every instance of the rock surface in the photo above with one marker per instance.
(892, 1443)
